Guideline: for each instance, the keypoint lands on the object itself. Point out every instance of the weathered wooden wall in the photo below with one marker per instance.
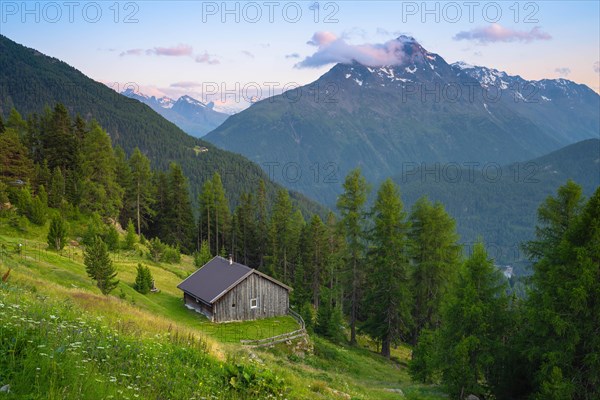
(198, 306)
(273, 300)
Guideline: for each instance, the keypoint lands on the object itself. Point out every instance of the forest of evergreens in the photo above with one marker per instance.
(395, 275)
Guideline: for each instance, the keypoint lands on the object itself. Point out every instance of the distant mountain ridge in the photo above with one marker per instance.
(380, 118)
(543, 101)
(31, 81)
(192, 116)
(500, 203)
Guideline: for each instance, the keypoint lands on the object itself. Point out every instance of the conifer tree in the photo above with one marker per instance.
(59, 144)
(388, 297)
(112, 238)
(222, 213)
(15, 163)
(130, 237)
(314, 249)
(38, 208)
(99, 266)
(123, 177)
(262, 223)
(436, 257)
(474, 319)
(57, 234)
(207, 212)
(563, 312)
(143, 280)
(351, 205)
(245, 225)
(56, 189)
(141, 194)
(281, 235)
(101, 192)
(203, 256)
(16, 122)
(179, 217)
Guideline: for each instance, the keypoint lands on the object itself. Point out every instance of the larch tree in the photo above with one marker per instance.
(351, 204)
(180, 218)
(101, 192)
(563, 311)
(281, 235)
(262, 223)
(99, 266)
(435, 256)
(141, 193)
(474, 319)
(388, 298)
(15, 163)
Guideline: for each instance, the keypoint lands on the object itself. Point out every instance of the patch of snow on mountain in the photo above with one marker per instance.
(463, 65)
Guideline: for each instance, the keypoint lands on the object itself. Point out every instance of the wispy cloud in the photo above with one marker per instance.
(185, 84)
(333, 49)
(176, 51)
(247, 53)
(293, 55)
(563, 71)
(597, 67)
(181, 50)
(497, 33)
(206, 59)
(385, 32)
(354, 32)
(132, 52)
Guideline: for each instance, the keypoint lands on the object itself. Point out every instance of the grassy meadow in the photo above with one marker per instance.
(60, 338)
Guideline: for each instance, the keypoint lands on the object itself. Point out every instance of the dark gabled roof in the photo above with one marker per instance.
(216, 278)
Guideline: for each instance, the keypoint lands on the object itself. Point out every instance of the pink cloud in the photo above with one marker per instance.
(176, 51)
(322, 38)
(205, 59)
(498, 33)
(332, 49)
(186, 84)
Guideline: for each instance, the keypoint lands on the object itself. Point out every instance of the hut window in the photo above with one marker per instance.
(253, 303)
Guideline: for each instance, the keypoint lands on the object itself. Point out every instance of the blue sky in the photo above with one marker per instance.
(188, 47)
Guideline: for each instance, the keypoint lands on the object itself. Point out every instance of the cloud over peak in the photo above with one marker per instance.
(332, 49)
(498, 33)
(563, 71)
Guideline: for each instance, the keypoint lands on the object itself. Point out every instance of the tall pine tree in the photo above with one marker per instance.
(99, 266)
(101, 192)
(388, 297)
(351, 204)
(140, 192)
(436, 256)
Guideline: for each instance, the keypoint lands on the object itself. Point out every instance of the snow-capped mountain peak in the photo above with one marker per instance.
(166, 102)
(463, 65)
(191, 115)
(191, 100)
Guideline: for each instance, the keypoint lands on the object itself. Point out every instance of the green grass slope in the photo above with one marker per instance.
(61, 339)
